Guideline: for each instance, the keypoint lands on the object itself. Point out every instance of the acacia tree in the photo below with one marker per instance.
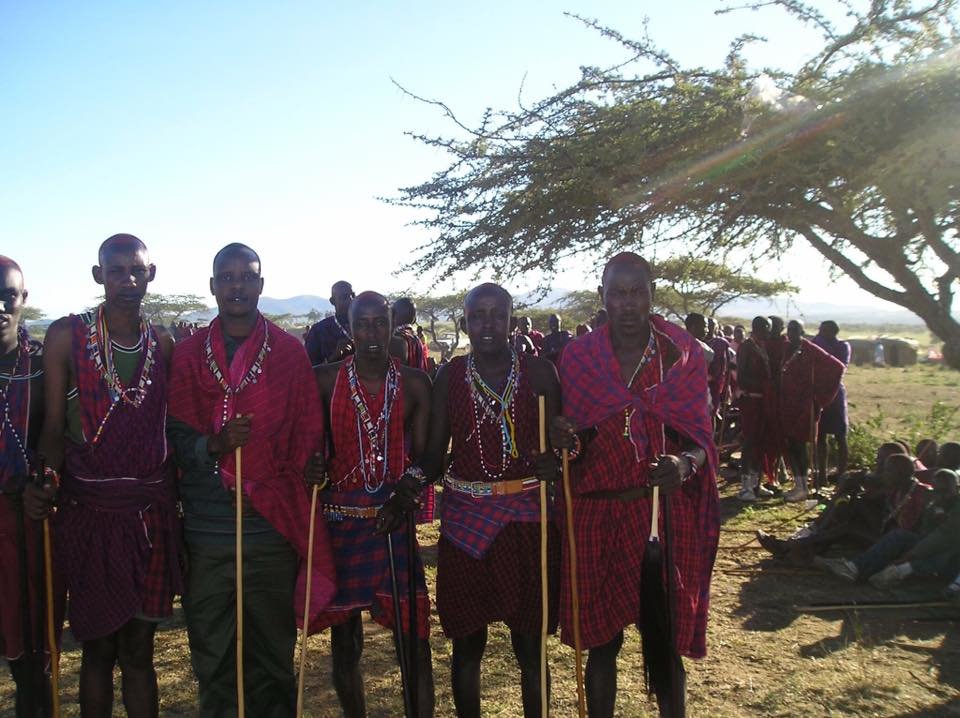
(169, 308)
(446, 308)
(693, 284)
(862, 165)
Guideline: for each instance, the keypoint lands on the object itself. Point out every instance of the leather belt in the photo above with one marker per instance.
(335, 512)
(482, 489)
(638, 492)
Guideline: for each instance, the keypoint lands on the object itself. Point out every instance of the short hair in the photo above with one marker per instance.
(231, 249)
(901, 463)
(369, 298)
(760, 323)
(694, 317)
(10, 263)
(626, 259)
(340, 283)
(949, 455)
(830, 328)
(488, 289)
(118, 243)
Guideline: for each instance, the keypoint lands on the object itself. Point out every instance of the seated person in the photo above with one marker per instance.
(856, 512)
(929, 549)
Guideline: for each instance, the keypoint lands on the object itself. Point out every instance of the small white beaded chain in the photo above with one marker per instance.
(490, 405)
(100, 350)
(23, 350)
(251, 377)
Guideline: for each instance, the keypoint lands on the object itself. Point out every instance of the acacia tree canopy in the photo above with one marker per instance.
(859, 160)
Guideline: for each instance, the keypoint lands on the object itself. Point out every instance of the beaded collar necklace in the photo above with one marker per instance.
(100, 348)
(490, 405)
(251, 377)
(23, 350)
(375, 459)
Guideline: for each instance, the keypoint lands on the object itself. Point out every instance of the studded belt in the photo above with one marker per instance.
(335, 512)
(482, 489)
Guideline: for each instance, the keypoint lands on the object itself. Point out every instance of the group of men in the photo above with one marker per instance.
(120, 425)
(791, 397)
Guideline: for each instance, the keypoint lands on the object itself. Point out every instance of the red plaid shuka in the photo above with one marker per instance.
(611, 535)
(362, 564)
(287, 427)
(472, 523)
(809, 379)
(117, 530)
(488, 566)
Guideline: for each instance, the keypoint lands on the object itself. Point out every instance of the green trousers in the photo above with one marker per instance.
(269, 628)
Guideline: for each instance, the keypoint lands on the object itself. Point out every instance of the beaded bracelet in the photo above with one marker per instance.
(694, 466)
(574, 453)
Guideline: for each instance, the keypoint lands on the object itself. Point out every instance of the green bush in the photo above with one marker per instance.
(941, 424)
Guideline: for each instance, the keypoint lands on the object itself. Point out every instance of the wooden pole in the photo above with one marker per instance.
(239, 650)
(574, 591)
(854, 606)
(51, 632)
(544, 588)
(306, 600)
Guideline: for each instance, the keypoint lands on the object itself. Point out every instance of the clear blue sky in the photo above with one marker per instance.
(193, 124)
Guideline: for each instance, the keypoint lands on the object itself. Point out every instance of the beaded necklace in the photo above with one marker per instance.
(490, 405)
(251, 377)
(100, 351)
(648, 354)
(343, 330)
(23, 350)
(375, 460)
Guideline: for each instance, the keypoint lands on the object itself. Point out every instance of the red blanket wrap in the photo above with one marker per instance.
(809, 379)
(287, 427)
(611, 535)
(362, 562)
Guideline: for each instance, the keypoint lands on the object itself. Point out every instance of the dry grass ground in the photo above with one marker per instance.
(766, 659)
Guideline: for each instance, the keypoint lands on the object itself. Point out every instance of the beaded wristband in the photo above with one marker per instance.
(574, 453)
(694, 466)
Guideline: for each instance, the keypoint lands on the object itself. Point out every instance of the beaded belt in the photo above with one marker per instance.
(334, 512)
(479, 489)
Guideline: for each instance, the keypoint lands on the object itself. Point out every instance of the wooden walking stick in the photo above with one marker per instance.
(544, 588)
(306, 600)
(48, 589)
(574, 590)
(239, 650)
(51, 632)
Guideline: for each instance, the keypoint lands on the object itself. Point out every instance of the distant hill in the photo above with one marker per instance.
(298, 306)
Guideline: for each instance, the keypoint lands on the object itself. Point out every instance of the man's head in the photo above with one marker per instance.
(627, 292)
(794, 332)
(927, 452)
(727, 331)
(760, 328)
(884, 451)
(554, 322)
(487, 311)
(236, 282)
(738, 333)
(829, 329)
(13, 297)
(583, 329)
(776, 326)
(524, 325)
(370, 326)
(897, 470)
(696, 325)
(404, 312)
(945, 486)
(341, 294)
(124, 270)
(949, 456)
(711, 327)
